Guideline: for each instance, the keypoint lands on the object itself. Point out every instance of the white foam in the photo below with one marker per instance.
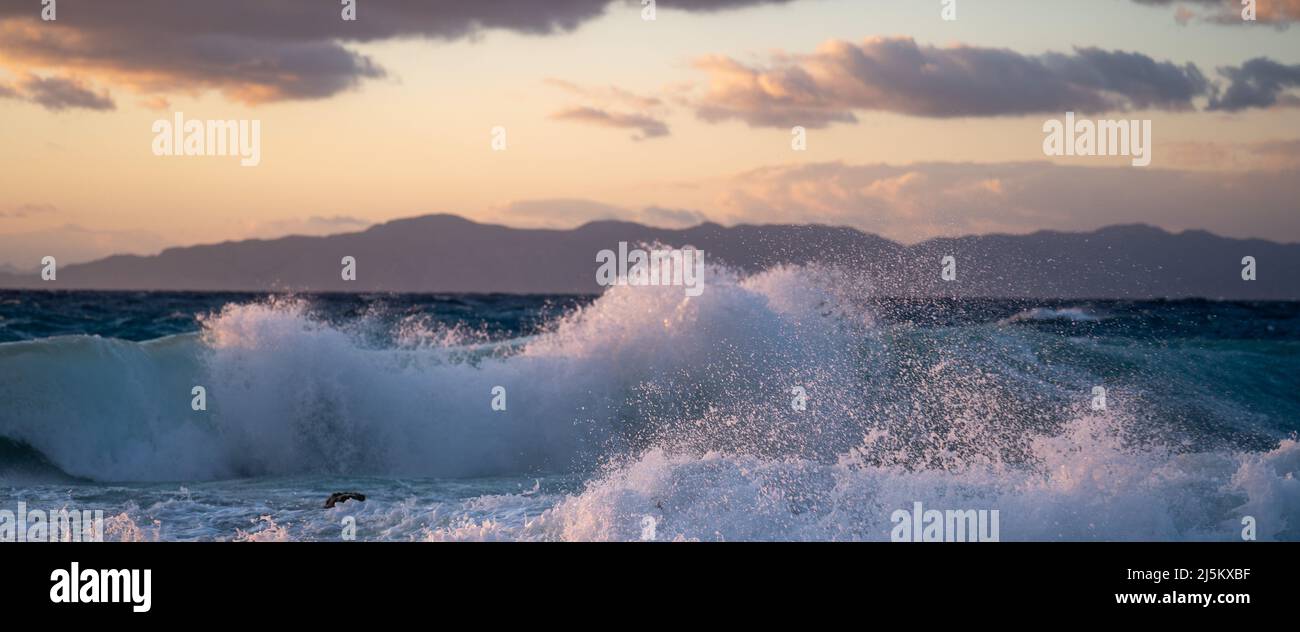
(681, 406)
(1045, 314)
(1085, 488)
(288, 394)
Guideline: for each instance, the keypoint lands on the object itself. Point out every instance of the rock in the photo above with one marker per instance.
(341, 497)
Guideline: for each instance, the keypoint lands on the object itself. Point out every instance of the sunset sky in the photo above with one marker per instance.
(917, 126)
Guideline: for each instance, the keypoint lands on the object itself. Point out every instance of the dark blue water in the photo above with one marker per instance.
(140, 316)
(27, 315)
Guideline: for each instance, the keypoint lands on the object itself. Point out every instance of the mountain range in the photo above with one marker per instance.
(447, 253)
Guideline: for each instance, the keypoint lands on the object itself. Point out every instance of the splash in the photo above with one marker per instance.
(669, 406)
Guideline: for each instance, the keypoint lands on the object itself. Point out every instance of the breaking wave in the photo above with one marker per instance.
(682, 409)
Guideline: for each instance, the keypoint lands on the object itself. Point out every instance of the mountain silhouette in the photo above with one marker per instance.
(447, 253)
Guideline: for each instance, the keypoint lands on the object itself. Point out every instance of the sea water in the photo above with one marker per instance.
(644, 406)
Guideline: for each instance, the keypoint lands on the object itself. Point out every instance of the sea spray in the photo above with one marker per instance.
(648, 403)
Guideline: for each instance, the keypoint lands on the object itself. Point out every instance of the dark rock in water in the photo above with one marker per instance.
(342, 497)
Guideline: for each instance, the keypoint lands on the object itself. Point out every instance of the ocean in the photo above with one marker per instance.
(791, 404)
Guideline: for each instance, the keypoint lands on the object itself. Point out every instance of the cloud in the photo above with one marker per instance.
(671, 217)
(27, 210)
(898, 75)
(156, 103)
(608, 94)
(73, 244)
(254, 51)
(1258, 83)
(1283, 153)
(600, 109)
(243, 68)
(915, 202)
(571, 212)
(1228, 12)
(57, 93)
(557, 212)
(648, 127)
(1269, 155)
(314, 225)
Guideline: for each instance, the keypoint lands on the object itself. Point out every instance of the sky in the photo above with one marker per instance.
(915, 126)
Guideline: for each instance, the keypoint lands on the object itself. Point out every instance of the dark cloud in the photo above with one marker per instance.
(258, 50)
(1258, 83)
(57, 93)
(898, 75)
(1119, 80)
(61, 93)
(648, 127)
(315, 20)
